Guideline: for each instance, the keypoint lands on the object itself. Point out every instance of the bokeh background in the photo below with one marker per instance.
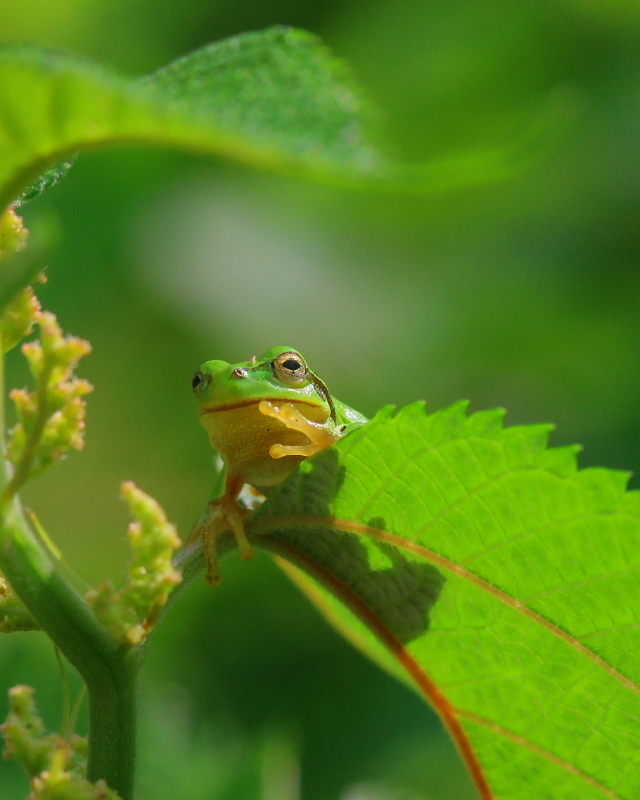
(523, 293)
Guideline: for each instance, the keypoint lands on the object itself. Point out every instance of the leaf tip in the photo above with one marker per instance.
(451, 419)
(605, 489)
(562, 461)
(385, 413)
(526, 444)
(487, 423)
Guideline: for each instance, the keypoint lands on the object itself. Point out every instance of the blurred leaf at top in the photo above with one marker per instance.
(275, 99)
(279, 88)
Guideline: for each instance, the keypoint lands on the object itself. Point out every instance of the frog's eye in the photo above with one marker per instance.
(290, 368)
(197, 380)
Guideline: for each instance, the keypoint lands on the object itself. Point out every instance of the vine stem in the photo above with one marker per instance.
(108, 669)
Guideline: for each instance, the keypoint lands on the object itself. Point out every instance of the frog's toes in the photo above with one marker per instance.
(210, 550)
(231, 517)
(224, 513)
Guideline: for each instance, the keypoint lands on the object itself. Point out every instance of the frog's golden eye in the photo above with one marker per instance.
(290, 368)
(197, 380)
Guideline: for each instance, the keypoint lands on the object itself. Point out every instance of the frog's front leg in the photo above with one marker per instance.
(319, 435)
(224, 513)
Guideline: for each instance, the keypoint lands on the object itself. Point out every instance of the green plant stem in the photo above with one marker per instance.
(112, 727)
(107, 669)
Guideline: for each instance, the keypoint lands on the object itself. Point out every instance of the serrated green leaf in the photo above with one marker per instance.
(274, 99)
(501, 578)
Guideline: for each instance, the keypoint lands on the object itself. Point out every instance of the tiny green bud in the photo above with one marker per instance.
(64, 786)
(53, 359)
(24, 734)
(129, 614)
(14, 615)
(13, 234)
(55, 766)
(52, 417)
(18, 318)
(65, 428)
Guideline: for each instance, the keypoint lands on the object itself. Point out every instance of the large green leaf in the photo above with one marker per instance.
(274, 99)
(502, 580)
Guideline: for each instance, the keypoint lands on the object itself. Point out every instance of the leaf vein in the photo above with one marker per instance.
(520, 740)
(405, 544)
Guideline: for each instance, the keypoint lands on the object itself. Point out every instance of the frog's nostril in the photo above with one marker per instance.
(240, 373)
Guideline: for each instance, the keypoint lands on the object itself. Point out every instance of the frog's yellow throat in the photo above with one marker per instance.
(244, 436)
(273, 427)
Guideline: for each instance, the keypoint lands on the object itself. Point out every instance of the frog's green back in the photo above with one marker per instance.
(349, 416)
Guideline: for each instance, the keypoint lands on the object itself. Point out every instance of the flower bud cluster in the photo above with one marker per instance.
(130, 613)
(54, 765)
(18, 318)
(51, 418)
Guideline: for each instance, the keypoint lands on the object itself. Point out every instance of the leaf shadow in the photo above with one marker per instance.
(295, 522)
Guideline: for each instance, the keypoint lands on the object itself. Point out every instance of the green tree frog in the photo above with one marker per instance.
(264, 417)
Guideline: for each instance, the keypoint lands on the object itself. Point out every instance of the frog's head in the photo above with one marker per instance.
(280, 375)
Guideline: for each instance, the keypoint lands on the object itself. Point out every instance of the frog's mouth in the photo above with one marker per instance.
(245, 403)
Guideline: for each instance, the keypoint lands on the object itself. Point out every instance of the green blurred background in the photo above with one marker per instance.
(523, 293)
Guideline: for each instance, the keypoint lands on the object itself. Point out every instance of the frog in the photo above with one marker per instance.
(263, 417)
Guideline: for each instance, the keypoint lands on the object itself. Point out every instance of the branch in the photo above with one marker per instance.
(107, 668)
